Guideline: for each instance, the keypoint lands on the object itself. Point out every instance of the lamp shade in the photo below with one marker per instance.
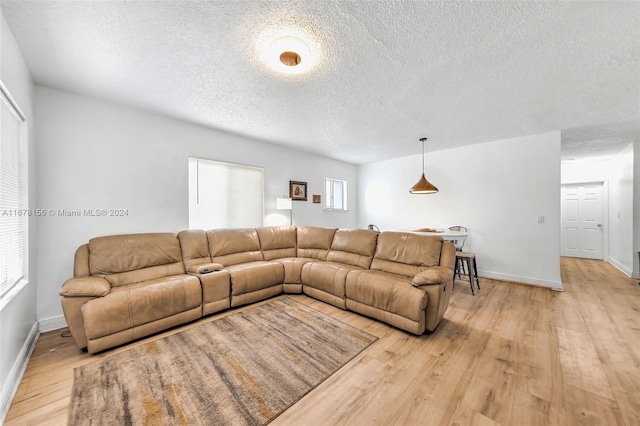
(284, 203)
(423, 186)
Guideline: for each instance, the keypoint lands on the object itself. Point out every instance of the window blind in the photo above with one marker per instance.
(13, 194)
(225, 195)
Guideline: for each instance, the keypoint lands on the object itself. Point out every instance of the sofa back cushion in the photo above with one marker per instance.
(126, 259)
(233, 246)
(195, 247)
(314, 242)
(353, 247)
(405, 253)
(277, 242)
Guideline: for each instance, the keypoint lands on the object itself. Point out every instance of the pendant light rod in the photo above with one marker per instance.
(423, 186)
(423, 140)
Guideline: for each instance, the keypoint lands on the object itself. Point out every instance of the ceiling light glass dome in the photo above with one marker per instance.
(288, 51)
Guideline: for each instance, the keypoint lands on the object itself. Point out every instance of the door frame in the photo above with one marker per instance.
(605, 212)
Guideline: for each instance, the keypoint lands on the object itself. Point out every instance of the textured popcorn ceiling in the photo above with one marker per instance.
(601, 141)
(391, 72)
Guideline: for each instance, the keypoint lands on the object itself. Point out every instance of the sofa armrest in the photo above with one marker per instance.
(433, 275)
(204, 268)
(85, 287)
(448, 255)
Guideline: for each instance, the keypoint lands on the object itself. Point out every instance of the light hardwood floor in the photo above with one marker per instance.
(511, 355)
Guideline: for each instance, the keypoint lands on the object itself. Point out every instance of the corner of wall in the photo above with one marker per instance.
(14, 377)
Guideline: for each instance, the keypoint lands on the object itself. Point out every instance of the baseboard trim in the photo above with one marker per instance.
(17, 371)
(553, 285)
(52, 323)
(628, 272)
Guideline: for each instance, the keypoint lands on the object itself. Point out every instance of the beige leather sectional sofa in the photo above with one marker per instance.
(129, 286)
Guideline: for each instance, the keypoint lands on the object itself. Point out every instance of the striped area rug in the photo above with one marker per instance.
(245, 368)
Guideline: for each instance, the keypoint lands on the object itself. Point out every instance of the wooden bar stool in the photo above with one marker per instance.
(470, 259)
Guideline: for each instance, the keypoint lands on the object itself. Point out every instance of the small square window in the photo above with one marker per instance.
(335, 194)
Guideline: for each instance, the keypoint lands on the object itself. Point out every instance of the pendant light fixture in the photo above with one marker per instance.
(423, 186)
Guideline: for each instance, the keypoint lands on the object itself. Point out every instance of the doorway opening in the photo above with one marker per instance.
(583, 220)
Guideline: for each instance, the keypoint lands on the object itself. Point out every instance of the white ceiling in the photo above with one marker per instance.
(392, 71)
(598, 141)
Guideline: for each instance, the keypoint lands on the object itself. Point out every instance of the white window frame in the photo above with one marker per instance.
(215, 206)
(14, 212)
(336, 195)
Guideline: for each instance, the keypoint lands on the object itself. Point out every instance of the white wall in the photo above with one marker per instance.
(18, 317)
(585, 171)
(99, 155)
(617, 174)
(621, 211)
(496, 189)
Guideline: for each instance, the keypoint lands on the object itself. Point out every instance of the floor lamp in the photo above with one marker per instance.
(285, 203)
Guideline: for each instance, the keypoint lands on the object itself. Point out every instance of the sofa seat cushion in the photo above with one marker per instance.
(253, 276)
(293, 268)
(140, 303)
(329, 277)
(388, 292)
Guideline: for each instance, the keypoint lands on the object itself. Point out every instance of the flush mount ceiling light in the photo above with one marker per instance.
(423, 186)
(288, 51)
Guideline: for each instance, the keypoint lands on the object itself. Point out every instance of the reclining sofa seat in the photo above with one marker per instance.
(278, 243)
(350, 250)
(408, 284)
(252, 278)
(126, 287)
(312, 244)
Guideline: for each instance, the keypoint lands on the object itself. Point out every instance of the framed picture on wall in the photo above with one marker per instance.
(298, 190)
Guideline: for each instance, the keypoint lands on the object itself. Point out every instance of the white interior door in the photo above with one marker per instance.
(582, 221)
